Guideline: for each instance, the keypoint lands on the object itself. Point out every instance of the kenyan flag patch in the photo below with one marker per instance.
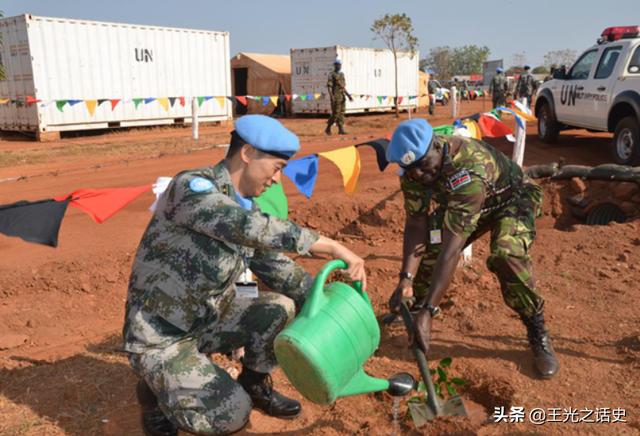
(459, 179)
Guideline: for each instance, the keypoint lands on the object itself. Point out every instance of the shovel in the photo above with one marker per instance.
(421, 412)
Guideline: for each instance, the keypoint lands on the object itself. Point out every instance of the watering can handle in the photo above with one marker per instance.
(317, 289)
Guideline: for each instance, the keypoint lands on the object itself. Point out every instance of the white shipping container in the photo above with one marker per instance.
(62, 59)
(367, 72)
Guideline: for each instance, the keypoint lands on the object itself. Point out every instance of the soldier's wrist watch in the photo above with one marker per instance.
(433, 310)
(406, 276)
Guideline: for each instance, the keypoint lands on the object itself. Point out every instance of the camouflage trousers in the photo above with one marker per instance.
(338, 108)
(198, 395)
(499, 100)
(512, 234)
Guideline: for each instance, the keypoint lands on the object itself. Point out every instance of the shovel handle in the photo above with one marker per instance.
(423, 364)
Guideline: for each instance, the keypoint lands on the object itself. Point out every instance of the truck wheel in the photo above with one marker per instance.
(626, 142)
(444, 101)
(548, 127)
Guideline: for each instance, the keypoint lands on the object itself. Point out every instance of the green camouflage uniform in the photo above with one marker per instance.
(337, 85)
(481, 190)
(433, 89)
(498, 89)
(526, 87)
(182, 305)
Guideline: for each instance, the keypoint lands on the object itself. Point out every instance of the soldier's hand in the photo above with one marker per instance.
(422, 330)
(403, 292)
(355, 268)
(350, 98)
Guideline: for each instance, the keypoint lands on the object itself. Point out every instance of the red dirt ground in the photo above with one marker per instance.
(61, 310)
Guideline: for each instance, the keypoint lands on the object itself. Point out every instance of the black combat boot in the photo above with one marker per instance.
(154, 422)
(259, 386)
(341, 130)
(327, 131)
(544, 357)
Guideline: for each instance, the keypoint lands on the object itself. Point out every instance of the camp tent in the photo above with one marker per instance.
(262, 75)
(423, 94)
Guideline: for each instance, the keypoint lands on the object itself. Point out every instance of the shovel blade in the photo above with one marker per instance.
(421, 413)
(453, 407)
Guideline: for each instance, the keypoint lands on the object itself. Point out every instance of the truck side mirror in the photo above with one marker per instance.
(559, 74)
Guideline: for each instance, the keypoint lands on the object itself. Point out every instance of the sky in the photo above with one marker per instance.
(507, 27)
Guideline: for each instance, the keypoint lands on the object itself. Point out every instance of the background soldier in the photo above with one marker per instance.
(337, 91)
(478, 190)
(526, 86)
(498, 88)
(182, 303)
(432, 88)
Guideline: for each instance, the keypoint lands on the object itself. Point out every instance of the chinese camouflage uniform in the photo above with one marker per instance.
(181, 303)
(481, 190)
(433, 89)
(337, 85)
(498, 89)
(526, 87)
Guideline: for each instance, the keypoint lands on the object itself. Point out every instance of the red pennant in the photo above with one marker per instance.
(287, 97)
(114, 103)
(400, 100)
(181, 101)
(31, 100)
(101, 204)
(493, 128)
(242, 99)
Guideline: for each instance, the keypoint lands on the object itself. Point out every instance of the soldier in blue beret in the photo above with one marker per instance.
(182, 303)
(477, 190)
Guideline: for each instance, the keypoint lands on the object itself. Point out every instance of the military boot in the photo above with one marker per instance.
(327, 131)
(341, 130)
(154, 421)
(259, 386)
(544, 357)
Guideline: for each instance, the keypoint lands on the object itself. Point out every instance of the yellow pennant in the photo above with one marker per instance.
(220, 101)
(164, 102)
(347, 160)
(91, 106)
(4, 100)
(524, 115)
(316, 95)
(274, 100)
(473, 129)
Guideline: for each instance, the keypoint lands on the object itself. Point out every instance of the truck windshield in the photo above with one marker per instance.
(634, 63)
(607, 62)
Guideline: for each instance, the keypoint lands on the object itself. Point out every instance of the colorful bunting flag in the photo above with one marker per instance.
(473, 128)
(149, 100)
(31, 100)
(303, 173)
(60, 104)
(115, 101)
(380, 146)
(492, 127)
(37, 221)
(347, 160)
(200, 101)
(102, 100)
(265, 100)
(137, 101)
(181, 100)
(294, 96)
(399, 100)
(91, 106)
(5, 100)
(317, 95)
(287, 97)
(446, 130)
(273, 201)
(242, 100)
(380, 98)
(274, 100)
(172, 101)
(164, 102)
(74, 102)
(309, 96)
(303, 97)
(220, 101)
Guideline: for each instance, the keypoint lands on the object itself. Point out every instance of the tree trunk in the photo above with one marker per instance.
(395, 65)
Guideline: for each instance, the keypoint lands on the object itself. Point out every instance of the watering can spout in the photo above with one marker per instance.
(362, 383)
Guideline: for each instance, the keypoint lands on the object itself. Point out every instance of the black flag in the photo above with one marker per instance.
(34, 222)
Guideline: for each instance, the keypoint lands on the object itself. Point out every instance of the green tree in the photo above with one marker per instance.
(541, 69)
(439, 60)
(560, 57)
(396, 31)
(468, 59)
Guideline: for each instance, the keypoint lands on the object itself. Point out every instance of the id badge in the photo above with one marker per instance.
(435, 236)
(247, 290)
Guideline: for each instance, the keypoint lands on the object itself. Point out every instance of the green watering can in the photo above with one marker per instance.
(322, 351)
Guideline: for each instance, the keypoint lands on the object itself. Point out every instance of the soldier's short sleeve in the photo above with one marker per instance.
(195, 203)
(465, 196)
(416, 196)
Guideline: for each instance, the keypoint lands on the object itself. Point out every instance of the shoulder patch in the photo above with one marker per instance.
(200, 184)
(459, 179)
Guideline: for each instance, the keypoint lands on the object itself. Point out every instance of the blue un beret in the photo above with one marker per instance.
(267, 135)
(410, 142)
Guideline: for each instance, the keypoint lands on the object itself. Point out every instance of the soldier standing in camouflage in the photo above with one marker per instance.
(498, 88)
(478, 190)
(432, 89)
(182, 303)
(526, 86)
(337, 92)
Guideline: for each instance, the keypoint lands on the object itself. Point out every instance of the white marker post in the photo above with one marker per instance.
(454, 102)
(194, 117)
(521, 138)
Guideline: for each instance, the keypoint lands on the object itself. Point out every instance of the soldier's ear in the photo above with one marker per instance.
(247, 153)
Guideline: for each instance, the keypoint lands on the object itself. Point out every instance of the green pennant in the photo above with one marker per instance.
(200, 101)
(60, 104)
(443, 130)
(380, 98)
(273, 202)
(496, 113)
(303, 97)
(137, 101)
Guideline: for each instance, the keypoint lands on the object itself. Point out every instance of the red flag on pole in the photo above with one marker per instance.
(242, 99)
(492, 127)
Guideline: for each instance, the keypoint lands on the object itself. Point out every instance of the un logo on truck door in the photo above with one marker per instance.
(568, 95)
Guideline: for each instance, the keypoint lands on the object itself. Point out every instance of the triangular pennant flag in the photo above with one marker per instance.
(220, 101)
(303, 173)
(136, 102)
(60, 104)
(380, 146)
(101, 204)
(519, 119)
(347, 160)
(274, 202)
(380, 98)
(492, 127)
(274, 100)
(446, 130)
(31, 100)
(164, 102)
(37, 221)
(473, 128)
(294, 96)
(102, 100)
(309, 96)
(265, 100)
(303, 97)
(400, 100)
(74, 102)
(242, 100)
(200, 101)
(287, 97)
(149, 100)
(172, 101)
(114, 103)
(316, 95)
(91, 106)
(521, 107)
(4, 100)
(181, 100)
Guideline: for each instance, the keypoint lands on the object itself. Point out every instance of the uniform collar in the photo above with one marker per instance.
(223, 180)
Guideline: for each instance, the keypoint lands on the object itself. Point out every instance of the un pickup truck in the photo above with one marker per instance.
(600, 92)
